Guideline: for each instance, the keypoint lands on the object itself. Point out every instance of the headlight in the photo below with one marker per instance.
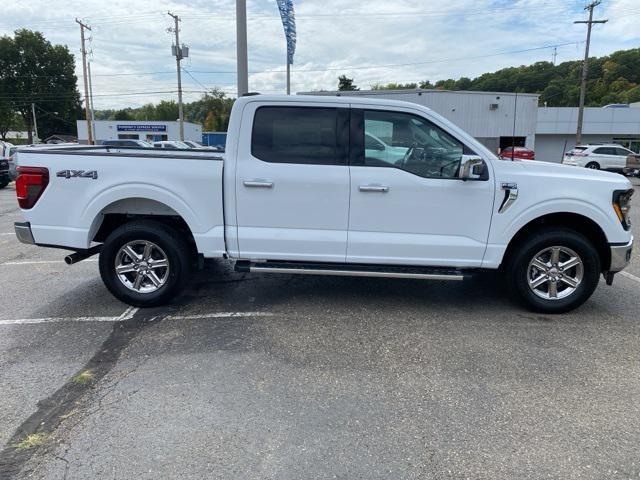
(622, 205)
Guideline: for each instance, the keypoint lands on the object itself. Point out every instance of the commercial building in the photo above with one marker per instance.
(498, 120)
(138, 130)
(556, 129)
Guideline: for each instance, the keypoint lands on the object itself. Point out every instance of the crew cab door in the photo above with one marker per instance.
(292, 182)
(412, 208)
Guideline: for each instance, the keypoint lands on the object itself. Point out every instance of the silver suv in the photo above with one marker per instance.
(598, 157)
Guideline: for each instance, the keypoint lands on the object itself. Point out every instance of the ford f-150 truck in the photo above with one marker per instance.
(329, 186)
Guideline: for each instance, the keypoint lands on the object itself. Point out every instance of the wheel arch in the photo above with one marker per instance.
(125, 210)
(574, 221)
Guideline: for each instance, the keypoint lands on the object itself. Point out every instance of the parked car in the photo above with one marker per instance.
(127, 143)
(517, 153)
(297, 193)
(7, 152)
(192, 144)
(5, 177)
(172, 145)
(598, 157)
(632, 168)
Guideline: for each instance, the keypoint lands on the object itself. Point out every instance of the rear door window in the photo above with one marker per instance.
(302, 135)
(604, 151)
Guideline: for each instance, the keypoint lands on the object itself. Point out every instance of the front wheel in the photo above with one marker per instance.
(145, 263)
(554, 270)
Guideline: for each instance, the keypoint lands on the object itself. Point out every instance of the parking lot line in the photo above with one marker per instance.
(7, 233)
(40, 262)
(28, 321)
(630, 276)
(204, 316)
(129, 313)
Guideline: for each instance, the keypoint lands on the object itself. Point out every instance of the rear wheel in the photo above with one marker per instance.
(593, 165)
(554, 270)
(145, 263)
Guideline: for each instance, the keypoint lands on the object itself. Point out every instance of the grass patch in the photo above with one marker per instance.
(31, 441)
(84, 377)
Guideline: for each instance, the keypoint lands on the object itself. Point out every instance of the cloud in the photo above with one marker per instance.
(423, 40)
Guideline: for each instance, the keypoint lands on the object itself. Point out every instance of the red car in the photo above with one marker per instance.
(517, 153)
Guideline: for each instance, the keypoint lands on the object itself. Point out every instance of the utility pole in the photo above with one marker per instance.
(84, 27)
(178, 54)
(554, 55)
(93, 112)
(35, 122)
(585, 66)
(241, 46)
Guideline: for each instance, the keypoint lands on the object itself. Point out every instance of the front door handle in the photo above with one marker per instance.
(257, 184)
(373, 188)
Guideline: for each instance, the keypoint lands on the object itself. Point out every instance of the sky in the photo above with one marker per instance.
(374, 41)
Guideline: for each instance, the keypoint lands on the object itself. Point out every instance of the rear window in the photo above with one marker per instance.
(306, 135)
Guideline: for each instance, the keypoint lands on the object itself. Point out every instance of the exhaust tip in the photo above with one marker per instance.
(69, 260)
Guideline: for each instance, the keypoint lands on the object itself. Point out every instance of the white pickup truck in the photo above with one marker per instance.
(329, 186)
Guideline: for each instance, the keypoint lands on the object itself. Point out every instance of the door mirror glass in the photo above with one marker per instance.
(472, 168)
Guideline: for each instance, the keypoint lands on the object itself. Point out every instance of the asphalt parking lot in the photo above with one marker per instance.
(290, 377)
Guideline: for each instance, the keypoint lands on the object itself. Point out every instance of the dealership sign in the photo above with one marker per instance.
(142, 128)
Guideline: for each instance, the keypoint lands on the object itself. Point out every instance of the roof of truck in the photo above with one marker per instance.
(330, 99)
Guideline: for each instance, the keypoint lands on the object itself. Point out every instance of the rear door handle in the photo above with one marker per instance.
(257, 184)
(373, 188)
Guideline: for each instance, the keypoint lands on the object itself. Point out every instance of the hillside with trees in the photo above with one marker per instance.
(613, 78)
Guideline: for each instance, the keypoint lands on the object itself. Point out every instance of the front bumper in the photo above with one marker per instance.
(620, 256)
(23, 232)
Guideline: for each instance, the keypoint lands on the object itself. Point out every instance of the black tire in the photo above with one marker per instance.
(593, 165)
(518, 270)
(172, 246)
(3, 184)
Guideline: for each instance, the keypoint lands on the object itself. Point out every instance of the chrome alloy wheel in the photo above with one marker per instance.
(555, 273)
(142, 266)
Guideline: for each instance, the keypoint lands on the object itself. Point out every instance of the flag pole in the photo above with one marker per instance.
(288, 76)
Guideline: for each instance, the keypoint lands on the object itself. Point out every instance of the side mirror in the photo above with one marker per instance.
(472, 168)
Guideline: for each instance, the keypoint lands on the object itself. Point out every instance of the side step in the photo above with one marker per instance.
(352, 270)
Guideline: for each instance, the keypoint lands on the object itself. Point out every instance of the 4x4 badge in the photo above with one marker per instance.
(77, 174)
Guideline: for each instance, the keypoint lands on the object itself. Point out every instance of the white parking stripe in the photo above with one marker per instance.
(203, 316)
(41, 262)
(128, 314)
(630, 276)
(27, 321)
(8, 233)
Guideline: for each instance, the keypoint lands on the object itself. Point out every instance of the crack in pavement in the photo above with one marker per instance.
(55, 409)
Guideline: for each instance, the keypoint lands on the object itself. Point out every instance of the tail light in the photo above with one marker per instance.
(30, 185)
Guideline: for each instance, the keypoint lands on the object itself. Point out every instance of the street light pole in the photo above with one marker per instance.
(585, 67)
(241, 45)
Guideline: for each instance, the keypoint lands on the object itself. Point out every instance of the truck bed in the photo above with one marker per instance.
(125, 180)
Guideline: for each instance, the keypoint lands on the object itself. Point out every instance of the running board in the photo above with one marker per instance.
(352, 270)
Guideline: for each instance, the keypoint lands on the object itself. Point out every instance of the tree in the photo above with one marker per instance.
(8, 120)
(346, 84)
(33, 71)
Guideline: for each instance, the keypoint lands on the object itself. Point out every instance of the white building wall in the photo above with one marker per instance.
(556, 129)
(108, 130)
